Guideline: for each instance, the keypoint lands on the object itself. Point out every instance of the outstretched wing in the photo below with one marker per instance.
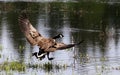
(29, 31)
(61, 46)
(65, 46)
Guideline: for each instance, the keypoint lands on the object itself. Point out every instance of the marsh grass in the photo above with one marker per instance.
(1, 47)
(14, 65)
(21, 48)
(21, 67)
(48, 66)
(0, 55)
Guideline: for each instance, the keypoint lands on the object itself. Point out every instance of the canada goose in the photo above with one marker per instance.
(46, 45)
(41, 54)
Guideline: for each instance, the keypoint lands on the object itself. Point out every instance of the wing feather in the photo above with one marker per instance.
(59, 46)
(29, 31)
(64, 46)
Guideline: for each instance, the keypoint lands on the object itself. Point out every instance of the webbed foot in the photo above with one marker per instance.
(50, 58)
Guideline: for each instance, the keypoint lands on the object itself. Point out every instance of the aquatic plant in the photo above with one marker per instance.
(48, 66)
(14, 65)
(21, 48)
(1, 47)
(103, 58)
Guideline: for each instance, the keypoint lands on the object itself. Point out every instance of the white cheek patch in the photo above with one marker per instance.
(61, 36)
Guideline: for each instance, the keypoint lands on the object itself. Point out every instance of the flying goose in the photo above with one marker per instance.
(46, 45)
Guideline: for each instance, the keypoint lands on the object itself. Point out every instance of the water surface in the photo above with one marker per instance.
(98, 23)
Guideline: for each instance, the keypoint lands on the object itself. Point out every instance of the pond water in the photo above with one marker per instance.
(98, 23)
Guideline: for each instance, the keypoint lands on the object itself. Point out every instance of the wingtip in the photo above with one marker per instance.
(23, 14)
(80, 42)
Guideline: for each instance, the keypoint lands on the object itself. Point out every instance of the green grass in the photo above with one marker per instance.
(14, 65)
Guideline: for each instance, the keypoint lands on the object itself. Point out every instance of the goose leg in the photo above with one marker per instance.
(41, 54)
(48, 56)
